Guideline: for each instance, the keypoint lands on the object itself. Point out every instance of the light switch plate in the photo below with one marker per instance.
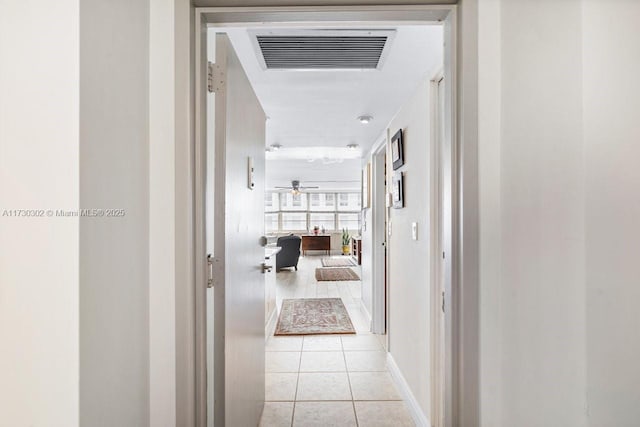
(414, 231)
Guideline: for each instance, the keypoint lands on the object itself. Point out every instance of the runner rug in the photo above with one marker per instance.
(338, 262)
(335, 274)
(314, 316)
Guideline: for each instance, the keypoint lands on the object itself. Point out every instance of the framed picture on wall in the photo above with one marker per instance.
(397, 150)
(366, 186)
(397, 190)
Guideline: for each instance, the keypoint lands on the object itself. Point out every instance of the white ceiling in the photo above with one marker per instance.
(319, 108)
(313, 114)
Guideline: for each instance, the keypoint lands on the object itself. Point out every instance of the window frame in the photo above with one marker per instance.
(309, 211)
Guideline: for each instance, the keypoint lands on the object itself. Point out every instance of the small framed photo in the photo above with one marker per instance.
(397, 150)
(397, 190)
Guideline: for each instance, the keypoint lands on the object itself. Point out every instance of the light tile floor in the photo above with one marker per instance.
(329, 380)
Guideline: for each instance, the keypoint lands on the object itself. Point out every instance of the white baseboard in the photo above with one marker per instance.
(270, 326)
(415, 410)
(365, 313)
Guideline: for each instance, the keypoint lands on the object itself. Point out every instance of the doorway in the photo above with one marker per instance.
(222, 17)
(379, 219)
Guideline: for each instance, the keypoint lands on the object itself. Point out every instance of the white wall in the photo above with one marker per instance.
(409, 260)
(162, 214)
(489, 150)
(542, 168)
(560, 295)
(114, 251)
(611, 102)
(538, 310)
(39, 104)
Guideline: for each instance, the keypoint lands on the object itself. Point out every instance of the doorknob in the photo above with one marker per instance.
(266, 268)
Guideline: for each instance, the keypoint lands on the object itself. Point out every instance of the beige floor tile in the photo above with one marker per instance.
(324, 414)
(280, 386)
(361, 342)
(277, 414)
(366, 361)
(322, 361)
(323, 386)
(282, 361)
(322, 343)
(284, 344)
(373, 386)
(383, 414)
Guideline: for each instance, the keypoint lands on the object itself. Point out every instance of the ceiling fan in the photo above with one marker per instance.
(296, 188)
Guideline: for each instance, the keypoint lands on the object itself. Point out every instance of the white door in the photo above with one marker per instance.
(238, 217)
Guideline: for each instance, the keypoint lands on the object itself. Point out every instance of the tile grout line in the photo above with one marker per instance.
(295, 396)
(353, 403)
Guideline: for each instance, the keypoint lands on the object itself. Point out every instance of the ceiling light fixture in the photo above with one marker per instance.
(365, 119)
(353, 146)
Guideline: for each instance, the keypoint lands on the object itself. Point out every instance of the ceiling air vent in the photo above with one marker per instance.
(323, 50)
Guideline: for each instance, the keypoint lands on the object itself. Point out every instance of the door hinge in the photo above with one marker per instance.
(215, 77)
(443, 301)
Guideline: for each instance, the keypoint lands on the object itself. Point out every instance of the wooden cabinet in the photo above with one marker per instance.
(356, 249)
(316, 243)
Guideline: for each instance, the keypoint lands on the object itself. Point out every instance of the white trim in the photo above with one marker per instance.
(365, 313)
(437, 285)
(378, 234)
(410, 400)
(199, 197)
(461, 332)
(270, 326)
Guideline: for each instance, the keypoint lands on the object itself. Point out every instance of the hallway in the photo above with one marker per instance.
(329, 380)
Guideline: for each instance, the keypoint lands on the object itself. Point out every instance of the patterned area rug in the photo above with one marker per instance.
(338, 262)
(335, 274)
(314, 316)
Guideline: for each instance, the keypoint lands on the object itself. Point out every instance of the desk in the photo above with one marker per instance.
(316, 243)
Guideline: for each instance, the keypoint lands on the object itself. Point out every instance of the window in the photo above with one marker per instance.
(294, 221)
(350, 221)
(290, 202)
(287, 212)
(271, 222)
(326, 220)
(271, 202)
(349, 201)
(322, 202)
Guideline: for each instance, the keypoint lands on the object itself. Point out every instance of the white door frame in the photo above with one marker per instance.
(462, 376)
(379, 210)
(437, 251)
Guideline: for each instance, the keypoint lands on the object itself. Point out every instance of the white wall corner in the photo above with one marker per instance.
(419, 417)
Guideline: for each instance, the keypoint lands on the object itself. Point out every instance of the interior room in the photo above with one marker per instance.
(336, 100)
(101, 318)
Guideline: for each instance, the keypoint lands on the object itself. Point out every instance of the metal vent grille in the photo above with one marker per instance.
(321, 52)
